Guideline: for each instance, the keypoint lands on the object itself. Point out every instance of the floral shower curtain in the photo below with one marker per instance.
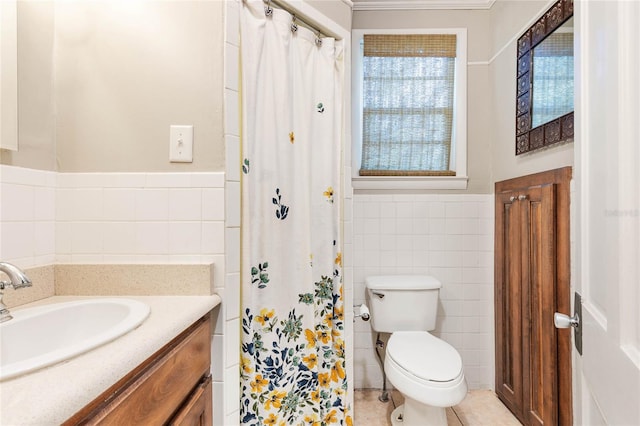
(293, 352)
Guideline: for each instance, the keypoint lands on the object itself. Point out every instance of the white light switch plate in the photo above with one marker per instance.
(181, 144)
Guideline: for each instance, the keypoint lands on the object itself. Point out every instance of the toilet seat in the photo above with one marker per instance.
(425, 368)
(424, 356)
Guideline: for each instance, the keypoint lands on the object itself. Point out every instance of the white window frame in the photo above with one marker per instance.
(459, 128)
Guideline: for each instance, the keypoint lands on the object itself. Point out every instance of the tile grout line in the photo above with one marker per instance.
(457, 416)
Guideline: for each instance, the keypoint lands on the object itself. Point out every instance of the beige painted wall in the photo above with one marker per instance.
(478, 87)
(336, 10)
(509, 19)
(124, 72)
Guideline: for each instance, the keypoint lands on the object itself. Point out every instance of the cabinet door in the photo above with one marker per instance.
(538, 274)
(197, 411)
(151, 394)
(508, 301)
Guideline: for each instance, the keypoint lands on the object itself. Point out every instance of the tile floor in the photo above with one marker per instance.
(480, 407)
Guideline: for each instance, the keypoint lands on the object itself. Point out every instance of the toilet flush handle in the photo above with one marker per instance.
(380, 295)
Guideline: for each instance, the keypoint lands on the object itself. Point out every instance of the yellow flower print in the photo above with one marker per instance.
(338, 260)
(315, 396)
(275, 399)
(349, 421)
(292, 137)
(258, 383)
(265, 316)
(324, 336)
(341, 292)
(311, 259)
(324, 380)
(338, 312)
(338, 345)
(246, 365)
(330, 417)
(329, 194)
(311, 361)
(337, 372)
(338, 391)
(312, 419)
(271, 420)
(328, 320)
(311, 338)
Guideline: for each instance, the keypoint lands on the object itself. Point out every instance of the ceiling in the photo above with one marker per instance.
(421, 4)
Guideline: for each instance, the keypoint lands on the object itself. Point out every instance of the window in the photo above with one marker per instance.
(409, 109)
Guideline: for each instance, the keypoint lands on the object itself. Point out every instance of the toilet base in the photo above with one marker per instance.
(413, 413)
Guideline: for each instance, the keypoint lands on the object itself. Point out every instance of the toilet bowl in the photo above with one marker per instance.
(426, 370)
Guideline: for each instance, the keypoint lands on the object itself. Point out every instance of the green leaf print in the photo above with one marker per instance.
(282, 211)
(259, 275)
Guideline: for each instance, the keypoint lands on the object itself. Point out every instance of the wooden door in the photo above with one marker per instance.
(533, 358)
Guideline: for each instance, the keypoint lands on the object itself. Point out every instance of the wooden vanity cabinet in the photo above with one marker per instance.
(532, 282)
(172, 387)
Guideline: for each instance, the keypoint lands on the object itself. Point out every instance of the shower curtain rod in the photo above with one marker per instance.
(296, 19)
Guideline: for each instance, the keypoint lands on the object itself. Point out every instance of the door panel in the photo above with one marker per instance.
(539, 283)
(508, 303)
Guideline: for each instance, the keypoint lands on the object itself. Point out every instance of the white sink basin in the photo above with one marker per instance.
(44, 335)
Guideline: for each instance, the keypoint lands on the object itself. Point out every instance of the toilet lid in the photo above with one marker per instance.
(424, 356)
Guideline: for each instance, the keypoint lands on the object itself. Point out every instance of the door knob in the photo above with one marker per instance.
(565, 321)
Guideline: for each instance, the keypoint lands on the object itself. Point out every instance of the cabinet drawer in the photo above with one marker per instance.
(197, 411)
(152, 393)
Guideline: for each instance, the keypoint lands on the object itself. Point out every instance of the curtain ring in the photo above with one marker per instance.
(268, 10)
(294, 26)
(319, 39)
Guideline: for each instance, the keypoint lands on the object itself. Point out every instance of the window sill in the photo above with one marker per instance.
(409, 182)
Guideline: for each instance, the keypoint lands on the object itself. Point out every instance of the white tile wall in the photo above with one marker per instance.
(138, 217)
(27, 216)
(226, 406)
(49, 217)
(447, 236)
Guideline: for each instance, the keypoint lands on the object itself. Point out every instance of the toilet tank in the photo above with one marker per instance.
(402, 302)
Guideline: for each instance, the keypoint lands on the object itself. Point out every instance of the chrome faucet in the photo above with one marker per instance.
(17, 279)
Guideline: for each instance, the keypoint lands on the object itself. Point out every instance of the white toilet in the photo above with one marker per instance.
(426, 370)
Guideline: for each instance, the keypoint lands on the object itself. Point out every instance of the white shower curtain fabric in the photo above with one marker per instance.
(293, 352)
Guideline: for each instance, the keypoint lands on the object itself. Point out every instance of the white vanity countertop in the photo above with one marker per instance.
(51, 395)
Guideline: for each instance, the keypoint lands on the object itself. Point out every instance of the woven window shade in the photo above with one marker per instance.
(411, 45)
(408, 94)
